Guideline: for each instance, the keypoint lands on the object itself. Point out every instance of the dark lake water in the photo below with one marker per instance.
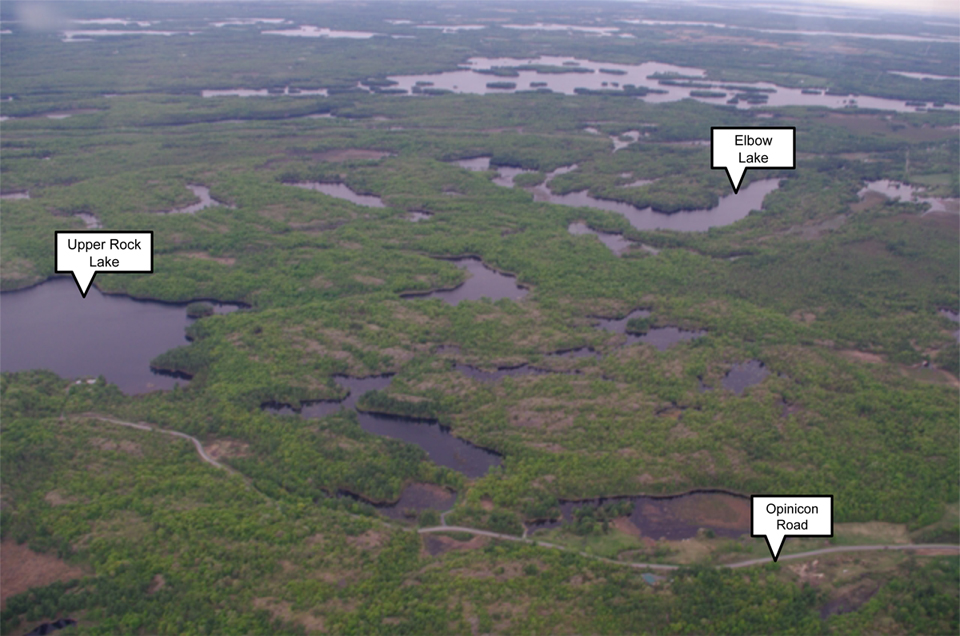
(660, 337)
(441, 446)
(416, 498)
(619, 325)
(672, 518)
(730, 209)
(665, 337)
(516, 372)
(483, 282)
(51, 326)
(743, 375)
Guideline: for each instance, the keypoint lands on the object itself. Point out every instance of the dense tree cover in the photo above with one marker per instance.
(812, 285)
(141, 509)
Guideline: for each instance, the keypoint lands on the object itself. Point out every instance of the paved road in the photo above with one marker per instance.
(509, 537)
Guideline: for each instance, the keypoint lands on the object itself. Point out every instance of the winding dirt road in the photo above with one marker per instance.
(509, 537)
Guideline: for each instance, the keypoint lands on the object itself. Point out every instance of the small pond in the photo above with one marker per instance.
(482, 282)
(910, 194)
(416, 498)
(662, 338)
(341, 191)
(441, 446)
(672, 518)
(743, 375)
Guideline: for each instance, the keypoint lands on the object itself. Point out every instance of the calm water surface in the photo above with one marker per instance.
(482, 283)
(911, 194)
(617, 244)
(441, 446)
(51, 326)
(672, 518)
(417, 498)
(206, 201)
(467, 80)
(746, 374)
(341, 191)
(730, 209)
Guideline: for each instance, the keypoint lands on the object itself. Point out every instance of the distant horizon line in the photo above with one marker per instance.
(920, 8)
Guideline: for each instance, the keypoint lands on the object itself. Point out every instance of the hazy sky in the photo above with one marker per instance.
(945, 7)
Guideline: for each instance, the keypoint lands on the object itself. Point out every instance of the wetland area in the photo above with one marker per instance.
(459, 330)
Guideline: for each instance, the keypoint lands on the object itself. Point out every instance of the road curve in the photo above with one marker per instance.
(146, 427)
(509, 537)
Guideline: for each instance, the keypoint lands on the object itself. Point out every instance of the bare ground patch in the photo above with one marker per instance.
(282, 610)
(56, 498)
(227, 448)
(368, 540)
(125, 446)
(936, 552)
(870, 199)
(624, 525)
(204, 256)
(349, 154)
(368, 280)
(17, 272)
(23, 569)
(881, 531)
(862, 356)
(438, 544)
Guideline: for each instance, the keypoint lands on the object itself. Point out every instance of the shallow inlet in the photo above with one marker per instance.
(206, 201)
(662, 338)
(483, 282)
(617, 244)
(414, 499)
(909, 194)
(341, 191)
(441, 446)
